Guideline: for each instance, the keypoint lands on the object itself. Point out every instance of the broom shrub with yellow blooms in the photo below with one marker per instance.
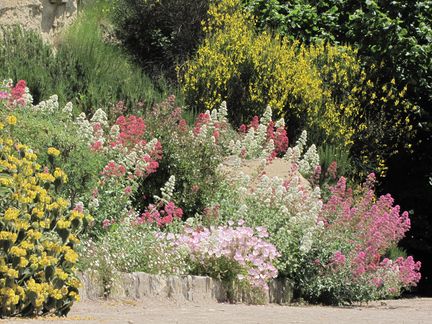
(38, 232)
(320, 88)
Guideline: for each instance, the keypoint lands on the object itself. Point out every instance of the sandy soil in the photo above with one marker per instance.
(418, 310)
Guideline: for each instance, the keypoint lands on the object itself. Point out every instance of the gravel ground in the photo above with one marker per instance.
(416, 310)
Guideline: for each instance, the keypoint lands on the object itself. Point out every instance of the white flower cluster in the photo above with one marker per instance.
(100, 117)
(255, 143)
(50, 105)
(289, 208)
(306, 162)
(85, 128)
(167, 191)
(217, 122)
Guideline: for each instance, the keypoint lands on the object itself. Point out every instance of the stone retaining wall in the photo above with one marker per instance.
(197, 289)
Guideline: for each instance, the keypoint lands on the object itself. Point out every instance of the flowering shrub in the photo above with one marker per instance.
(120, 248)
(15, 96)
(349, 262)
(164, 211)
(37, 232)
(128, 247)
(322, 88)
(288, 208)
(131, 159)
(191, 154)
(231, 253)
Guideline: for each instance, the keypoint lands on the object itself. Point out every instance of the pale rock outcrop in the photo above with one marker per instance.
(47, 17)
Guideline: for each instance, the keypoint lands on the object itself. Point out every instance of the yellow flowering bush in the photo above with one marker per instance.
(37, 233)
(321, 88)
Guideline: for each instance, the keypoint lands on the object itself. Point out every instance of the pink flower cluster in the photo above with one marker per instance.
(113, 169)
(132, 130)
(134, 157)
(370, 226)
(240, 244)
(160, 214)
(15, 95)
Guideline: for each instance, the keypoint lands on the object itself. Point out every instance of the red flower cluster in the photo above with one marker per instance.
(203, 119)
(278, 135)
(18, 92)
(161, 214)
(14, 95)
(132, 130)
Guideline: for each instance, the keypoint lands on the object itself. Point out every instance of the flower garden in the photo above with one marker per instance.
(134, 183)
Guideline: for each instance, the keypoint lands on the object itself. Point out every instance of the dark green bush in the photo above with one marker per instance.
(160, 32)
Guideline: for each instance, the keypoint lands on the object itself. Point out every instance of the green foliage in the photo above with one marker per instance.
(329, 154)
(83, 68)
(42, 131)
(193, 162)
(104, 72)
(161, 33)
(299, 19)
(398, 33)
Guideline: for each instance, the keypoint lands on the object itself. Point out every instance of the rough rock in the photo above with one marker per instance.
(47, 17)
(233, 167)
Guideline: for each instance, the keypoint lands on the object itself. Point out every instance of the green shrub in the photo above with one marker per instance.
(37, 233)
(160, 32)
(44, 130)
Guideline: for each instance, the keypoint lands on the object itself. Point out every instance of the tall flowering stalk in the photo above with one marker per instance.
(262, 138)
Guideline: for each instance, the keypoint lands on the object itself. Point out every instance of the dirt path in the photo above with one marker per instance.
(417, 310)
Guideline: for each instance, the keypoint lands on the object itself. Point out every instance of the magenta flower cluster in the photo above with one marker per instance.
(368, 226)
(244, 245)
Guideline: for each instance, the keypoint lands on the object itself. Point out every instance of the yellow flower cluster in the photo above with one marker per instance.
(37, 238)
(319, 85)
(53, 152)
